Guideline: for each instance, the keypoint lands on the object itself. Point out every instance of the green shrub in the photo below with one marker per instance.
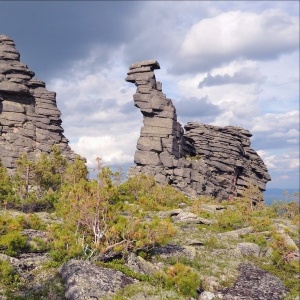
(13, 243)
(230, 219)
(256, 238)
(63, 243)
(35, 222)
(181, 278)
(151, 196)
(9, 277)
(7, 224)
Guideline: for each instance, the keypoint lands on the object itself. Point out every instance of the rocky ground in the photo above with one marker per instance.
(228, 263)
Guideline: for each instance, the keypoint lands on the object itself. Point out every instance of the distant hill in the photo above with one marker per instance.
(277, 194)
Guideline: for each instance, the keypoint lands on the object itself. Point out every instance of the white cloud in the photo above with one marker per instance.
(97, 107)
(238, 103)
(276, 123)
(238, 34)
(111, 149)
(283, 168)
(243, 76)
(292, 133)
(249, 52)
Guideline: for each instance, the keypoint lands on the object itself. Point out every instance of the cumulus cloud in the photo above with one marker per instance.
(276, 123)
(99, 116)
(238, 34)
(237, 103)
(243, 76)
(283, 168)
(229, 63)
(112, 149)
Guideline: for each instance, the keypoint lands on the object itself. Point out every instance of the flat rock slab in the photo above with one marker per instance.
(83, 280)
(190, 218)
(255, 284)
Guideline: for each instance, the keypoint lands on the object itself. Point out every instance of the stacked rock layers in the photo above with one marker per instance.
(227, 153)
(29, 118)
(206, 160)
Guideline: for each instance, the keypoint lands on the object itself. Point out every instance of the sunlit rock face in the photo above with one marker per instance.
(29, 118)
(200, 160)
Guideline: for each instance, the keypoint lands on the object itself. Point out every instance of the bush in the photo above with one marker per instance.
(9, 276)
(13, 243)
(230, 219)
(151, 196)
(7, 194)
(181, 278)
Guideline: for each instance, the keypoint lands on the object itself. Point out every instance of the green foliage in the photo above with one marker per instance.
(75, 172)
(35, 185)
(256, 238)
(181, 277)
(231, 219)
(151, 196)
(213, 243)
(6, 187)
(64, 244)
(34, 222)
(9, 224)
(13, 243)
(49, 169)
(9, 277)
(99, 221)
(102, 215)
(290, 208)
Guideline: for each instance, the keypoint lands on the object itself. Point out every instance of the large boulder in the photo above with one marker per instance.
(83, 280)
(254, 283)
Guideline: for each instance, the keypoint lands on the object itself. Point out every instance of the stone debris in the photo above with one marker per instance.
(200, 160)
(29, 118)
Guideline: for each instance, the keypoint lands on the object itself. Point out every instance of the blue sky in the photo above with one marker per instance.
(222, 63)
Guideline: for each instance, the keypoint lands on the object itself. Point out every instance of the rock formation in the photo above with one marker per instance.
(254, 283)
(203, 159)
(29, 118)
(84, 280)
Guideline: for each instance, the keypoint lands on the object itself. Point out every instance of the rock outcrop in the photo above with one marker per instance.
(254, 283)
(29, 118)
(203, 159)
(86, 281)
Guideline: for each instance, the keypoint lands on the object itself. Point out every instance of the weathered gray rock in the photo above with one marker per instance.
(29, 118)
(190, 218)
(253, 284)
(207, 296)
(248, 249)
(205, 160)
(139, 265)
(83, 280)
(237, 233)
